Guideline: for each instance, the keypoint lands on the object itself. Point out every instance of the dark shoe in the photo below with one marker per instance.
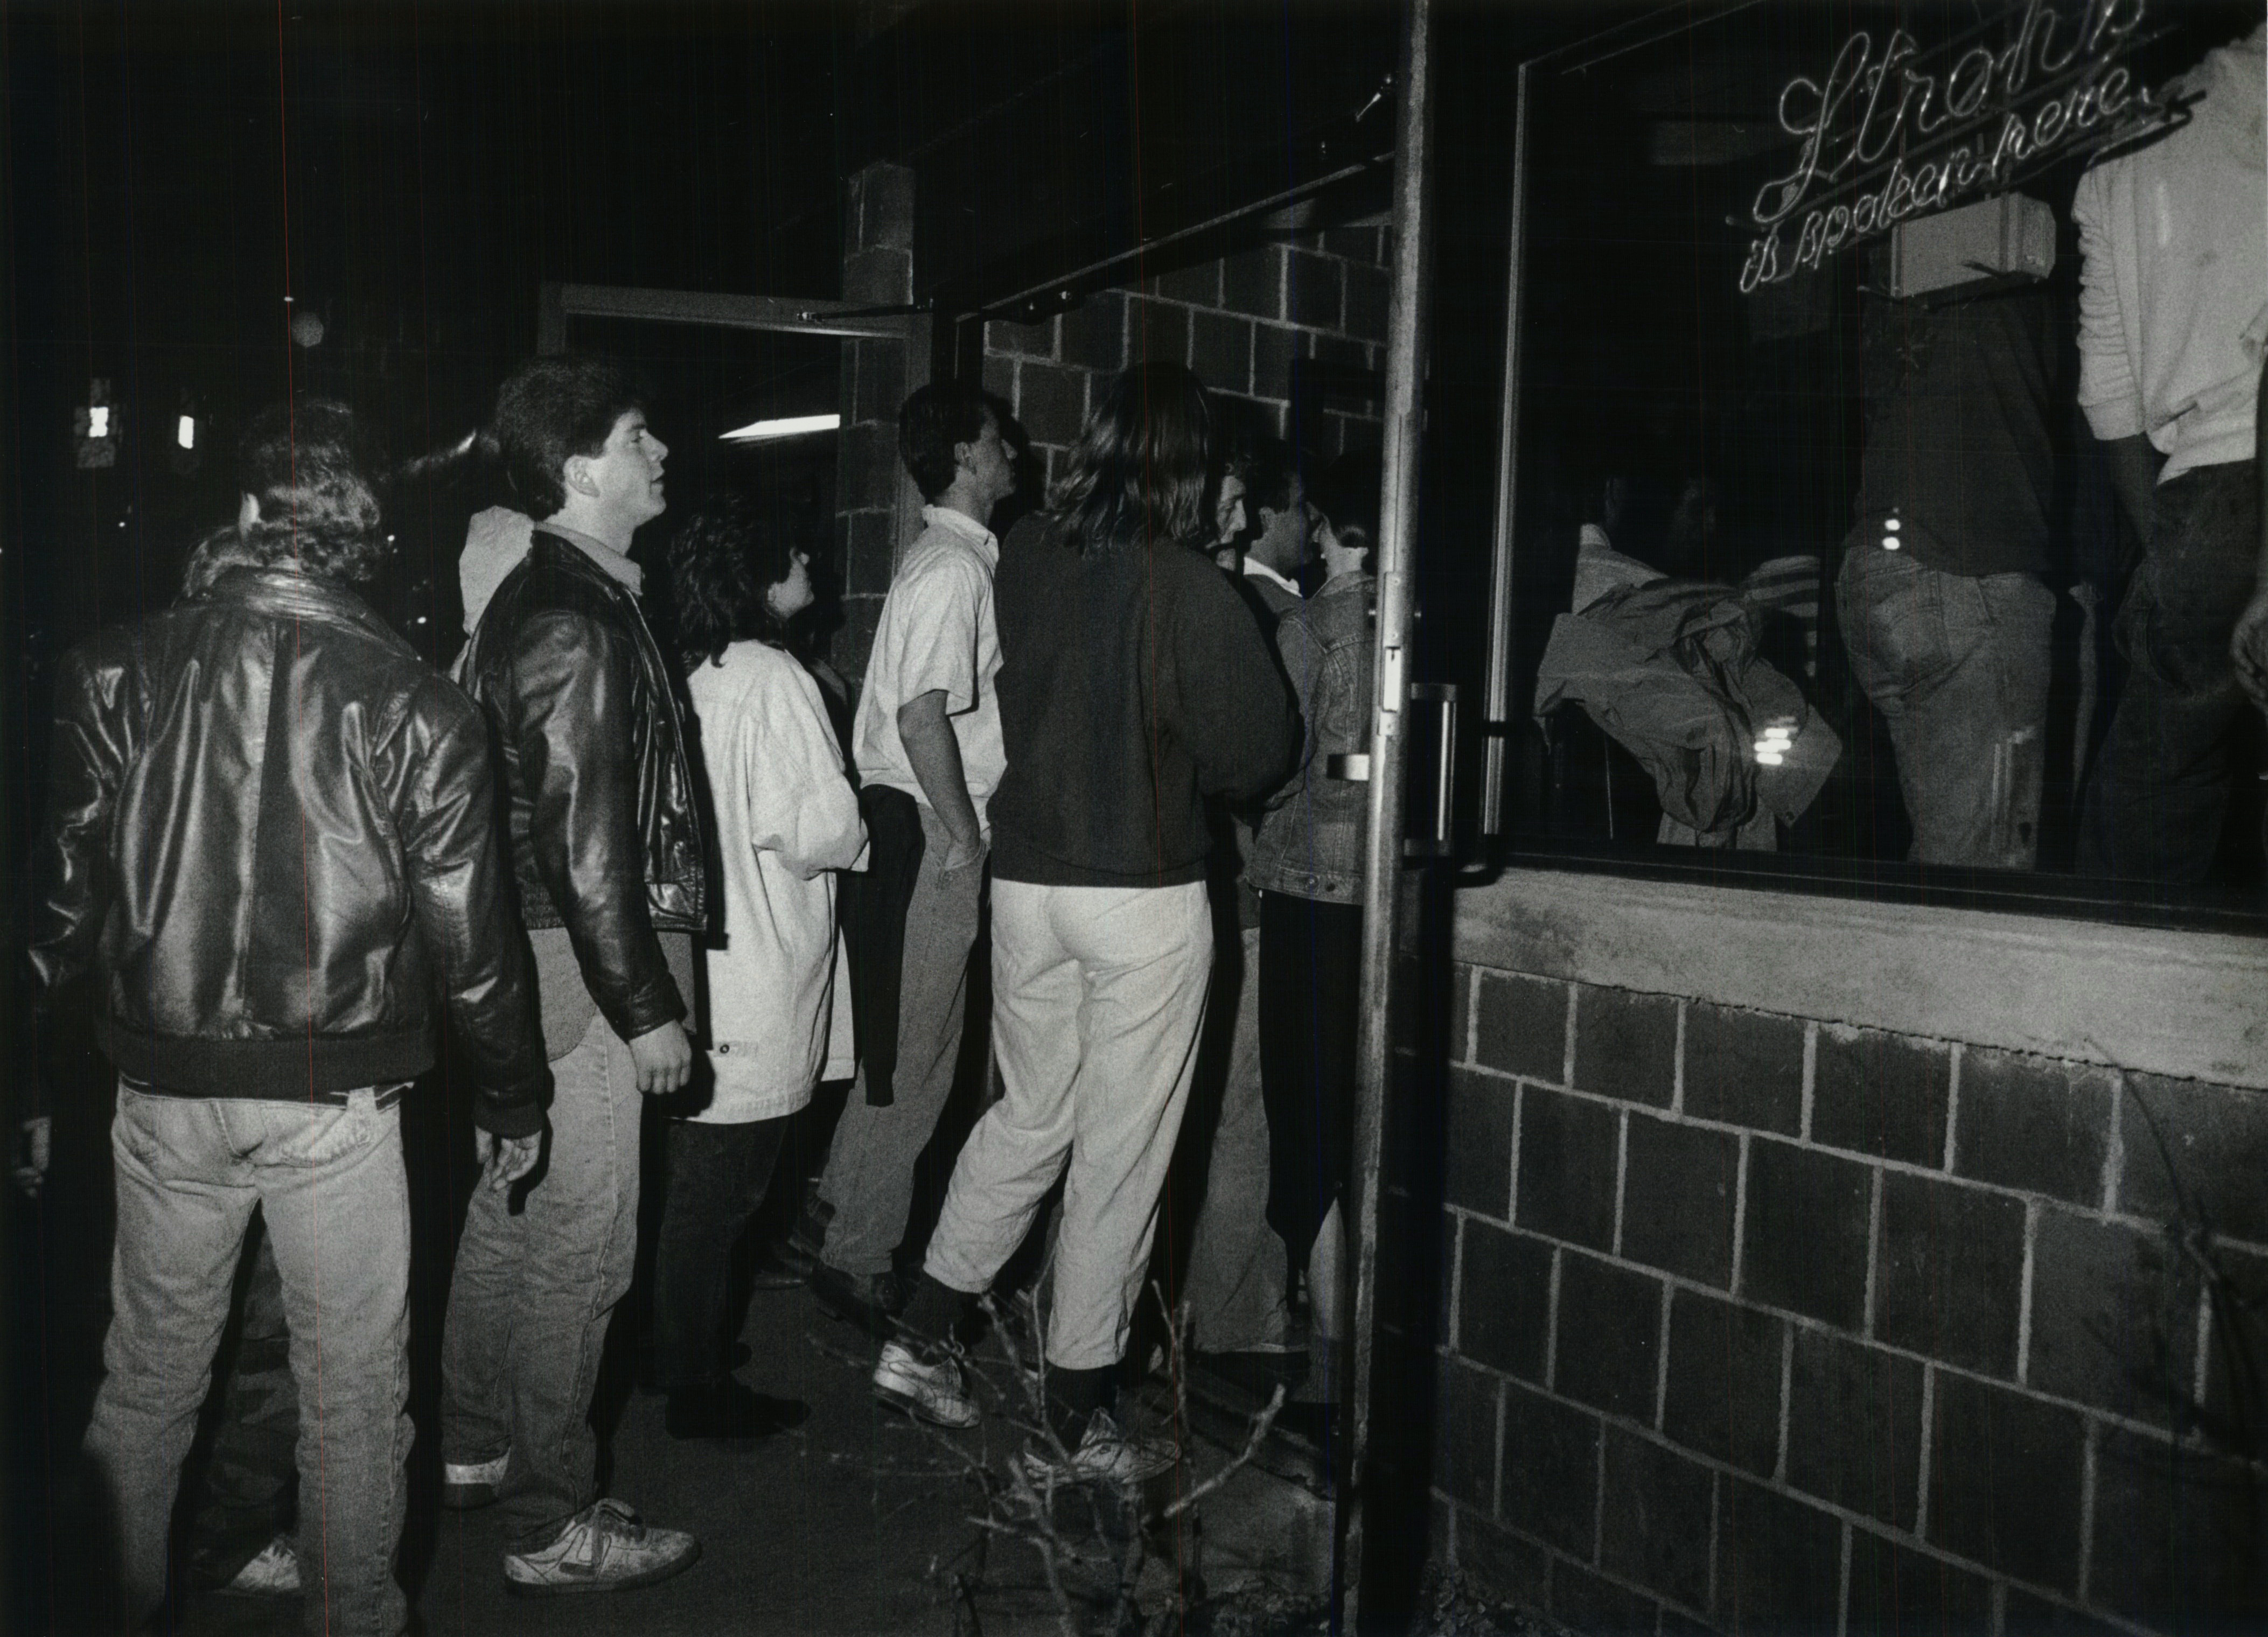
(735, 1356)
(783, 1265)
(728, 1410)
(870, 1301)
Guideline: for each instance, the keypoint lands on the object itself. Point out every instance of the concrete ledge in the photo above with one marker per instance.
(2183, 1003)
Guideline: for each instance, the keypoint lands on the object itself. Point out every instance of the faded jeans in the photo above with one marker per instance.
(533, 1293)
(329, 1184)
(246, 1496)
(1959, 664)
(869, 1177)
(1098, 995)
(2156, 803)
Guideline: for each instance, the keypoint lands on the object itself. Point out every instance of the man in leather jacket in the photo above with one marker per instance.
(270, 840)
(607, 857)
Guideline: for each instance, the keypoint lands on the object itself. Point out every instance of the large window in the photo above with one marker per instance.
(1818, 565)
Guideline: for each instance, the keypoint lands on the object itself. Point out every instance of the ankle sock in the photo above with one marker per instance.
(935, 1308)
(1073, 1396)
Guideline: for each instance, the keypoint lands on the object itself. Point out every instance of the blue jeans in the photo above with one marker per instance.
(2159, 794)
(1958, 664)
(533, 1292)
(329, 1182)
(246, 1494)
(716, 1179)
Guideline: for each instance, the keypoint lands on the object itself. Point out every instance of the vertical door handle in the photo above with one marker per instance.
(1440, 843)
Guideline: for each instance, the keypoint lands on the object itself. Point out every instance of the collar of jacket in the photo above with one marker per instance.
(566, 554)
(281, 593)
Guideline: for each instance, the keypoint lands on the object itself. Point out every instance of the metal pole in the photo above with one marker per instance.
(1389, 749)
(1495, 721)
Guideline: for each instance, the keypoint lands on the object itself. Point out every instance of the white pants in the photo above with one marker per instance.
(1098, 995)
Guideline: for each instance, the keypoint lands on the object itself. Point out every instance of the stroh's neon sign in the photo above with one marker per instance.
(1886, 137)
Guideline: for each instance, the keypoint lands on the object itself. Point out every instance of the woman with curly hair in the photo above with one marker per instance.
(786, 821)
(1133, 685)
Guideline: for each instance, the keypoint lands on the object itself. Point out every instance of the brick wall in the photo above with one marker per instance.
(1290, 326)
(1753, 1322)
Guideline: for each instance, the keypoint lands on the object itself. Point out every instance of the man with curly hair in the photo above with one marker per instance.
(270, 841)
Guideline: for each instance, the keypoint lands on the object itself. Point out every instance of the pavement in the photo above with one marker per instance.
(858, 1523)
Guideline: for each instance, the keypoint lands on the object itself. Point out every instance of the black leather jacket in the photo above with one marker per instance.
(271, 833)
(606, 834)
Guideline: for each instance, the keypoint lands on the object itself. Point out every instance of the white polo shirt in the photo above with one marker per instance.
(937, 633)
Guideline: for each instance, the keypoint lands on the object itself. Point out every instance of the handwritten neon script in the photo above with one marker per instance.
(1990, 114)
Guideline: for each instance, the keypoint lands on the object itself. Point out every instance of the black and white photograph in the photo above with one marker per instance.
(1134, 818)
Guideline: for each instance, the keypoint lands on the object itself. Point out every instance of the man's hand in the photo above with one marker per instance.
(664, 1057)
(34, 1140)
(960, 853)
(2248, 646)
(505, 1160)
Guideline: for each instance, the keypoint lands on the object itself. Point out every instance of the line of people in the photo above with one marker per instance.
(283, 847)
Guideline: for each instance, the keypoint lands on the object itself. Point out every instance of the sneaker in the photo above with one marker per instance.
(1104, 1454)
(870, 1301)
(730, 1410)
(601, 1548)
(467, 1486)
(929, 1390)
(275, 1573)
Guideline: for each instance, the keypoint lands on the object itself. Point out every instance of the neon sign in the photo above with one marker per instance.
(1887, 137)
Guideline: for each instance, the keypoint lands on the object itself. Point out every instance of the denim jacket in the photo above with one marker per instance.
(1311, 839)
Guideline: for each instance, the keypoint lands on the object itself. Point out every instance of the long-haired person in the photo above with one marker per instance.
(272, 840)
(1133, 683)
(786, 821)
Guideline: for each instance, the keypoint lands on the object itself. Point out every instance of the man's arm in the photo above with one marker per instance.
(2134, 462)
(574, 686)
(934, 754)
(458, 896)
(2248, 645)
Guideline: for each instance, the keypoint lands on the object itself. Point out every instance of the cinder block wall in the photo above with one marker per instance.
(878, 270)
(1757, 1322)
(1249, 324)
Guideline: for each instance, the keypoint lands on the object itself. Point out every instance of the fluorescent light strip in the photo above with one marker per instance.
(793, 426)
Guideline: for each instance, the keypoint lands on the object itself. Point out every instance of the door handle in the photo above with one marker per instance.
(1440, 843)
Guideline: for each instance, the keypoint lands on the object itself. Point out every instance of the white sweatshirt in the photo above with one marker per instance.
(2174, 290)
(786, 821)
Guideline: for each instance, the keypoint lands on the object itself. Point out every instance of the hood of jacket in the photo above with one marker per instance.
(495, 541)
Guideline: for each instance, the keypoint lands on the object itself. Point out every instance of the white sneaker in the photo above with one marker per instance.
(468, 1485)
(601, 1548)
(930, 1391)
(1105, 1454)
(275, 1573)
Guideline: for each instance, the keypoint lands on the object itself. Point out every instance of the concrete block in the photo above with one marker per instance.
(1502, 1564)
(869, 549)
(1804, 1243)
(1626, 1044)
(1199, 285)
(1274, 350)
(1478, 1158)
(2114, 1316)
(2236, 1368)
(2178, 1542)
(2216, 1139)
(1950, 1276)
(1854, 1427)
(1598, 1607)
(1504, 1300)
(1608, 1339)
(1354, 244)
(1253, 282)
(1724, 1381)
(1465, 1435)
(1315, 291)
(1523, 1026)
(1220, 351)
(1461, 1013)
(2024, 1615)
(1896, 1591)
(1367, 292)
(1744, 1068)
(2005, 1481)
(1779, 1562)
(1880, 1093)
(1567, 1168)
(879, 381)
(1550, 1484)
(1654, 1527)
(2034, 1123)
(879, 277)
(1024, 341)
(1095, 333)
(883, 218)
(1050, 401)
(1157, 332)
(1000, 377)
(1678, 1184)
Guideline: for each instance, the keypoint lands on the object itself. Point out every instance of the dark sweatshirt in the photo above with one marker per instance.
(1133, 683)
